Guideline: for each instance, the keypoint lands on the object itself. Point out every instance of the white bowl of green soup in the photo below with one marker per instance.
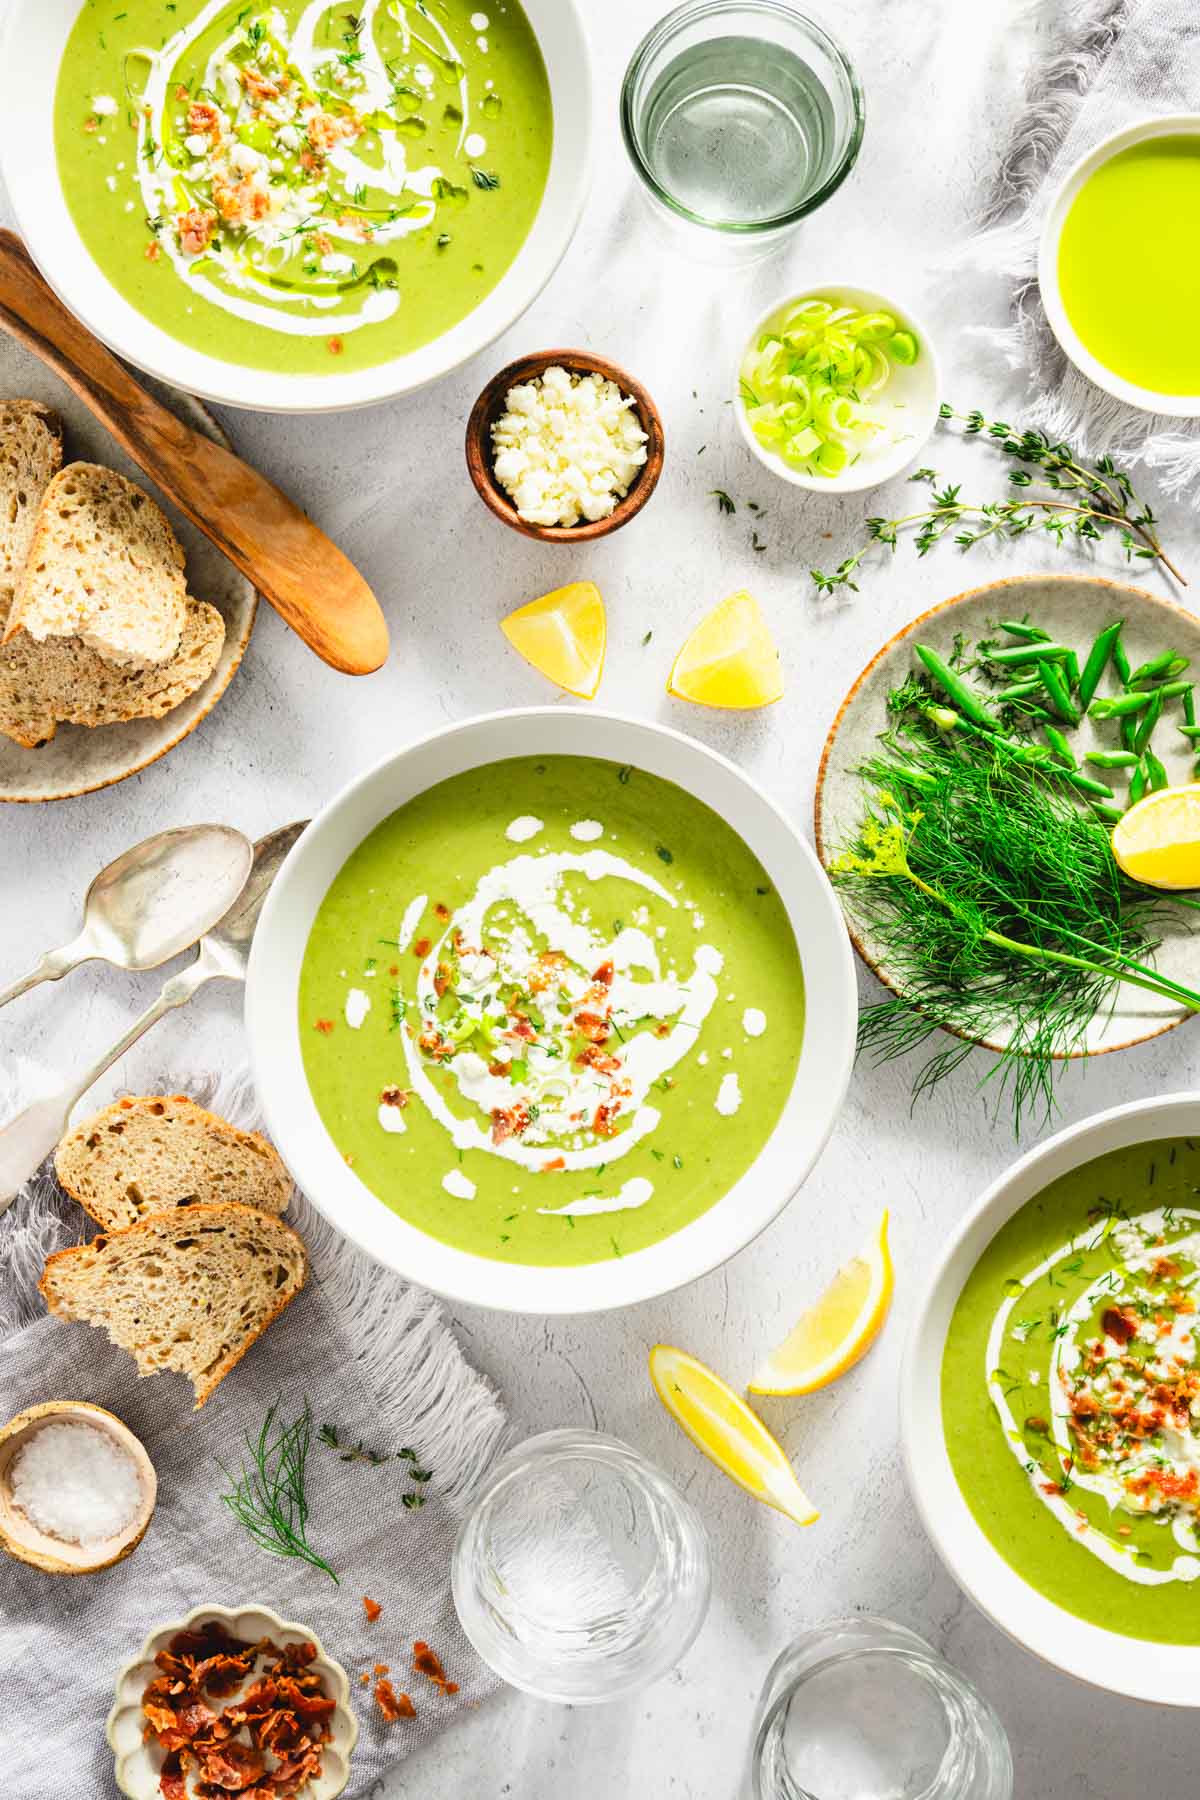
(1119, 265)
(552, 1011)
(294, 205)
(1050, 1401)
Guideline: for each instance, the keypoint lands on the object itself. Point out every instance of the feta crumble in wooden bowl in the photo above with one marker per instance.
(564, 445)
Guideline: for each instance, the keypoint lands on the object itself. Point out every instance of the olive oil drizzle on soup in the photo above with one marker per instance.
(551, 1010)
(303, 187)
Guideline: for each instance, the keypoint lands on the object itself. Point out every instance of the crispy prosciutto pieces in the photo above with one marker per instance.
(427, 1662)
(265, 1745)
(509, 1121)
(392, 1705)
(1119, 1324)
(592, 1027)
(196, 230)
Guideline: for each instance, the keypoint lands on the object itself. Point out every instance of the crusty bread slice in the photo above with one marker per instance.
(64, 682)
(188, 1290)
(103, 566)
(151, 1153)
(30, 456)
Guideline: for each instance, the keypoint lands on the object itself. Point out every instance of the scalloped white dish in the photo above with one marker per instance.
(137, 1762)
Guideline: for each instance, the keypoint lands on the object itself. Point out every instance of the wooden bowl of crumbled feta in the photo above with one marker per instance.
(564, 446)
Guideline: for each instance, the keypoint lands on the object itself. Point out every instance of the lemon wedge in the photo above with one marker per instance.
(832, 1335)
(1158, 840)
(719, 1422)
(730, 659)
(563, 635)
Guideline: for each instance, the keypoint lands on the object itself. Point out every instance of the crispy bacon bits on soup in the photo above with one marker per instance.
(265, 1745)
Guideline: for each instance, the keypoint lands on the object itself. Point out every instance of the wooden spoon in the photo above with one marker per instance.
(291, 562)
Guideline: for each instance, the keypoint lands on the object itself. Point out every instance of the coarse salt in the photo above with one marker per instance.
(567, 448)
(75, 1482)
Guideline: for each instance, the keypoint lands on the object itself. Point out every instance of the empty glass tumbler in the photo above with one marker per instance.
(740, 117)
(580, 1573)
(862, 1709)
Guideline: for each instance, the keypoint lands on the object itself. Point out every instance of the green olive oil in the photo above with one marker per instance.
(1129, 264)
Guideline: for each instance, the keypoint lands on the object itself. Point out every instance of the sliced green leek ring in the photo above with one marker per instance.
(804, 384)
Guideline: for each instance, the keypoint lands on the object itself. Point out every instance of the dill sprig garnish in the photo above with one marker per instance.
(1091, 500)
(268, 1497)
(995, 904)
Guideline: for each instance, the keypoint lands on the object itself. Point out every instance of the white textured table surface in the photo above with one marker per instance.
(942, 79)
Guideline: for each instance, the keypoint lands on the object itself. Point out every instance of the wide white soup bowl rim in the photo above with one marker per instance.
(273, 1024)
(31, 47)
(922, 379)
(1168, 1673)
(1176, 406)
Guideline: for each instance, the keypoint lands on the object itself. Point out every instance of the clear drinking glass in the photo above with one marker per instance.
(862, 1709)
(740, 117)
(580, 1574)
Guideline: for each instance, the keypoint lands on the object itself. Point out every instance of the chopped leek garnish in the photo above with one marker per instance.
(805, 385)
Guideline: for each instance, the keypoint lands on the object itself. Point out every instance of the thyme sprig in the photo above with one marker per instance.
(358, 1452)
(269, 1497)
(1095, 499)
(351, 1452)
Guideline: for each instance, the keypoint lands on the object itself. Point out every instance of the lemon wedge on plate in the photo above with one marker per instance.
(730, 659)
(719, 1422)
(1158, 840)
(563, 635)
(831, 1336)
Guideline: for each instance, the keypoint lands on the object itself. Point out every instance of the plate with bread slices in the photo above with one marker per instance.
(194, 1261)
(121, 625)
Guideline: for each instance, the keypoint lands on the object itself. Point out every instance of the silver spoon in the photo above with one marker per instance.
(27, 1140)
(152, 902)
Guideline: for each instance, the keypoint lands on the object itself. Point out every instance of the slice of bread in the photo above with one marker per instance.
(103, 566)
(64, 682)
(188, 1290)
(152, 1153)
(30, 456)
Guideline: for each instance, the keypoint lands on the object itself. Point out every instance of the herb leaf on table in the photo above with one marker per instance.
(268, 1497)
(1089, 501)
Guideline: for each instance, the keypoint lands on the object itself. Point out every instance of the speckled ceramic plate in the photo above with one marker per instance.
(137, 1761)
(1073, 608)
(78, 760)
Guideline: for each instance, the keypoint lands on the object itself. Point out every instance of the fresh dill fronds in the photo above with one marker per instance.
(268, 1497)
(725, 502)
(994, 903)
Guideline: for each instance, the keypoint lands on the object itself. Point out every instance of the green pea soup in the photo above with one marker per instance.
(303, 188)
(1070, 1391)
(551, 1010)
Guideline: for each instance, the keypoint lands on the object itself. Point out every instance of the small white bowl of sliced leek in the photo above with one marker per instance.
(838, 389)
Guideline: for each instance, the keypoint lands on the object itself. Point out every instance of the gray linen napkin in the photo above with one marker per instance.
(377, 1360)
(1115, 61)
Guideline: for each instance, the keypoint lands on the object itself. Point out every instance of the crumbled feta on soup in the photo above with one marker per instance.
(567, 448)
